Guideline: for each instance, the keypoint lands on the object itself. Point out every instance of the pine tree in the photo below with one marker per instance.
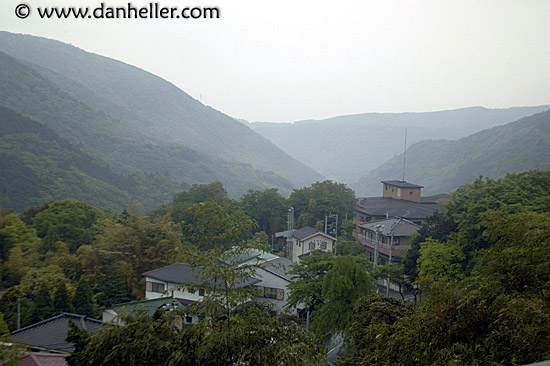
(61, 301)
(83, 303)
(44, 303)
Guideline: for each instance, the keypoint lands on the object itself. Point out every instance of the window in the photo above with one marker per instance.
(311, 245)
(410, 192)
(274, 293)
(324, 245)
(188, 319)
(201, 292)
(154, 287)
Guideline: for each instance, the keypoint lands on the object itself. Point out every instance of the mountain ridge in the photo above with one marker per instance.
(164, 111)
(39, 166)
(442, 165)
(29, 93)
(345, 148)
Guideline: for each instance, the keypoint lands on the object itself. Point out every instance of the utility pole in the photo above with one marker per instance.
(290, 227)
(18, 313)
(404, 154)
(378, 229)
(391, 252)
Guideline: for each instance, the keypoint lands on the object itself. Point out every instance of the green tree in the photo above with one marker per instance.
(438, 226)
(8, 304)
(267, 207)
(111, 287)
(43, 302)
(312, 203)
(198, 193)
(231, 226)
(72, 222)
(18, 248)
(139, 245)
(439, 261)
(307, 288)
(348, 280)
(13, 231)
(61, 301)
(83, 300)
(328, 287)
(374, 320)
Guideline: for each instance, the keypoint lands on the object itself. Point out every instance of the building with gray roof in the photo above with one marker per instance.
(50, 334)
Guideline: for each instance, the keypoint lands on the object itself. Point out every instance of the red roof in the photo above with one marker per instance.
(43, 359)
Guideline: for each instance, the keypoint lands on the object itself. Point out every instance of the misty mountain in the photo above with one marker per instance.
(151, 106)
(38, 166)
(126, 150)
(346, 148)
(442, 166)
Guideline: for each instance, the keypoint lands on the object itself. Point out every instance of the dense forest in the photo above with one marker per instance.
(479, 270)
(39, 166)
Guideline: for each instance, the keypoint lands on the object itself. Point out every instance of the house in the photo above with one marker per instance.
(180, 280)
(150, 306)
(393, 236)
(306, 240)
(399, 199)
(49, 335)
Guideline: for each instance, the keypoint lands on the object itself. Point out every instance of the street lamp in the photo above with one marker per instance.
(377, 229)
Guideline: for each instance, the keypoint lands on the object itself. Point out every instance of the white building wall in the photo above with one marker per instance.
(173, 290)
(303, 247)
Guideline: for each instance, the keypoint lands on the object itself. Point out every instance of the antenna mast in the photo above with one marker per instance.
(404, 155)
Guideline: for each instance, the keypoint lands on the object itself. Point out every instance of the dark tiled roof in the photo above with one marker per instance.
(51, 333)
(149, 305)
(401, 184)
(182, 273)
(379, 206)
(279, 267)
(400, 227)
(305, 232)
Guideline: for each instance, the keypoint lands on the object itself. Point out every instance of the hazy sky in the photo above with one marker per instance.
(290, 60)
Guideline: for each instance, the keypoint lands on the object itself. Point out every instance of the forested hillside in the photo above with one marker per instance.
(442, 166)
(125, 150)
(482, 268)
(346, 148)
(138, 101)
(39, 166)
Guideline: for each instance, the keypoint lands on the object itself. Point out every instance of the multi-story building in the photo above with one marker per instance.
(397, 214)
